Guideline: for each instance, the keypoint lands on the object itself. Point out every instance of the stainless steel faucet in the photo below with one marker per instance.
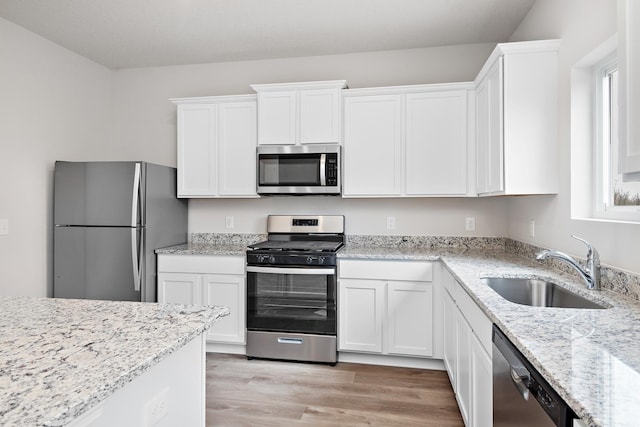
(591, 274)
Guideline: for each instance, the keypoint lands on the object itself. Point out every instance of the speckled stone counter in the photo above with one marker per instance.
(590, 357)
(203, 249)
(59, 358)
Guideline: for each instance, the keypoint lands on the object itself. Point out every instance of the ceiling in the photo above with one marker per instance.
(146, 33)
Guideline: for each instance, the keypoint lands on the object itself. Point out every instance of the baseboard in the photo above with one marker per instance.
(386, 360)
(214, 347)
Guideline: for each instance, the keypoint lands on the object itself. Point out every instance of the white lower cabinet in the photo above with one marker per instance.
(361, 305)
(386, 307)
(207, 280)
(467, 354)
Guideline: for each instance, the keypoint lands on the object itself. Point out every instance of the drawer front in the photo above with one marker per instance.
(415, 271)
(202, 264)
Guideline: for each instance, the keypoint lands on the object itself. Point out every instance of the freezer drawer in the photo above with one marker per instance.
(98, 263)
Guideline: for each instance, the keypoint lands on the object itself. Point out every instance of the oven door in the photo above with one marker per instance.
(292, 299)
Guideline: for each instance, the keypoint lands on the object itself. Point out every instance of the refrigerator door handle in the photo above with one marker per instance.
(136, 196)
(135, 261)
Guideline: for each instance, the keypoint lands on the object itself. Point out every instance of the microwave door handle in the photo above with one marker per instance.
(323, 170)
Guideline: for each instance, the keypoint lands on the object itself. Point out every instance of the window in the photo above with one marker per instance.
(615, 199)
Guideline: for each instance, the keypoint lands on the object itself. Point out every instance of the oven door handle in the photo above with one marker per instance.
(301, 271)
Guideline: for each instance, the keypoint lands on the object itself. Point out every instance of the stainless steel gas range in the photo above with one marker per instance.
(292, 288)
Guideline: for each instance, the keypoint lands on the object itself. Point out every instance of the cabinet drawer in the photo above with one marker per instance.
(479, 321)
(202, 264)
(416, 271)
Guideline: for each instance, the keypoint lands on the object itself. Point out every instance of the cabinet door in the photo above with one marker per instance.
(482, 385)
(489, 131)
(361, 312)
(277, 117)
(463, 366)
(410, 318)
(237, 142)
(320, 116)
(179, 288)
(196, 150)
(450, 338)
(629, 87)
(436, 143)
(229, 291)
(373, 145)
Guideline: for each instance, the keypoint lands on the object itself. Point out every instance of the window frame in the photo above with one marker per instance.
(604, 160)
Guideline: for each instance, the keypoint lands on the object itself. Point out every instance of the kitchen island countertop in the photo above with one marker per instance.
(61, 357)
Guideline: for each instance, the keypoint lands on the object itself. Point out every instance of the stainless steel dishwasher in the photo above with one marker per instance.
(521, 397)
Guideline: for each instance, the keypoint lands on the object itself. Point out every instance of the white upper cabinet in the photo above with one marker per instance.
(436, 143)
(372, 145)
(299, 113)
(629, 88)
(517, 120)
(215, 136)
(407, 141)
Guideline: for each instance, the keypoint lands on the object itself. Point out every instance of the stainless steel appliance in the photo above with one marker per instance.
(521, 397)
(108, 219)
(298, 170)
(292, 288)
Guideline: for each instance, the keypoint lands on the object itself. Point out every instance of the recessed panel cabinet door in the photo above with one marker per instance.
(277, 117)
(436, 143)
(227, 290)
(373, 145)
(410, 318)
(320, 116)
(361, 315)
(179, 288)
(237, 148)
(629, 87)
(196, 150)
(450, 344)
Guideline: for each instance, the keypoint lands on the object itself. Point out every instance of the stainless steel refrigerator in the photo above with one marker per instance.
(109, 217)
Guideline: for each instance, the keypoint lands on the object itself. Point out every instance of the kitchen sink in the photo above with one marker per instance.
(538, 293)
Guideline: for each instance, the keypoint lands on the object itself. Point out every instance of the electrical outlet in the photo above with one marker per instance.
(4, 227)
(228, 222)
(532, 228)
(157, 408)
(391, 223)
(470, 223)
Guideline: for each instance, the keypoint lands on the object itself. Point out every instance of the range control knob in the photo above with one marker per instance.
(321, 260)
(310, 259)
(272, 259)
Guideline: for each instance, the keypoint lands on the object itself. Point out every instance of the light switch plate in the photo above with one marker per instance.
(4, 227)
(228, 222)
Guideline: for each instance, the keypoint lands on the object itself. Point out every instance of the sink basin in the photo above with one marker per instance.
(537, 293)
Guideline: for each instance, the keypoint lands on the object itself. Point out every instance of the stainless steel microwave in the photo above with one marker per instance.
(298, 169)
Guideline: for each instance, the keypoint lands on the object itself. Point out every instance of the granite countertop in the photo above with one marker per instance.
(204, 249)
(61, 357)
(590, 357)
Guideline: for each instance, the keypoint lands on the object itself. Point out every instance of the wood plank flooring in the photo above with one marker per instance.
(243, 392)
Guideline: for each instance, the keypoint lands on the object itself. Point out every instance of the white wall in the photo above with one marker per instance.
(145, 128)
(582, 25)
(430, 217)
(54, 105)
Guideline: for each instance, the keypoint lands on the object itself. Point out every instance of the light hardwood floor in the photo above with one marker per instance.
(243, 392)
